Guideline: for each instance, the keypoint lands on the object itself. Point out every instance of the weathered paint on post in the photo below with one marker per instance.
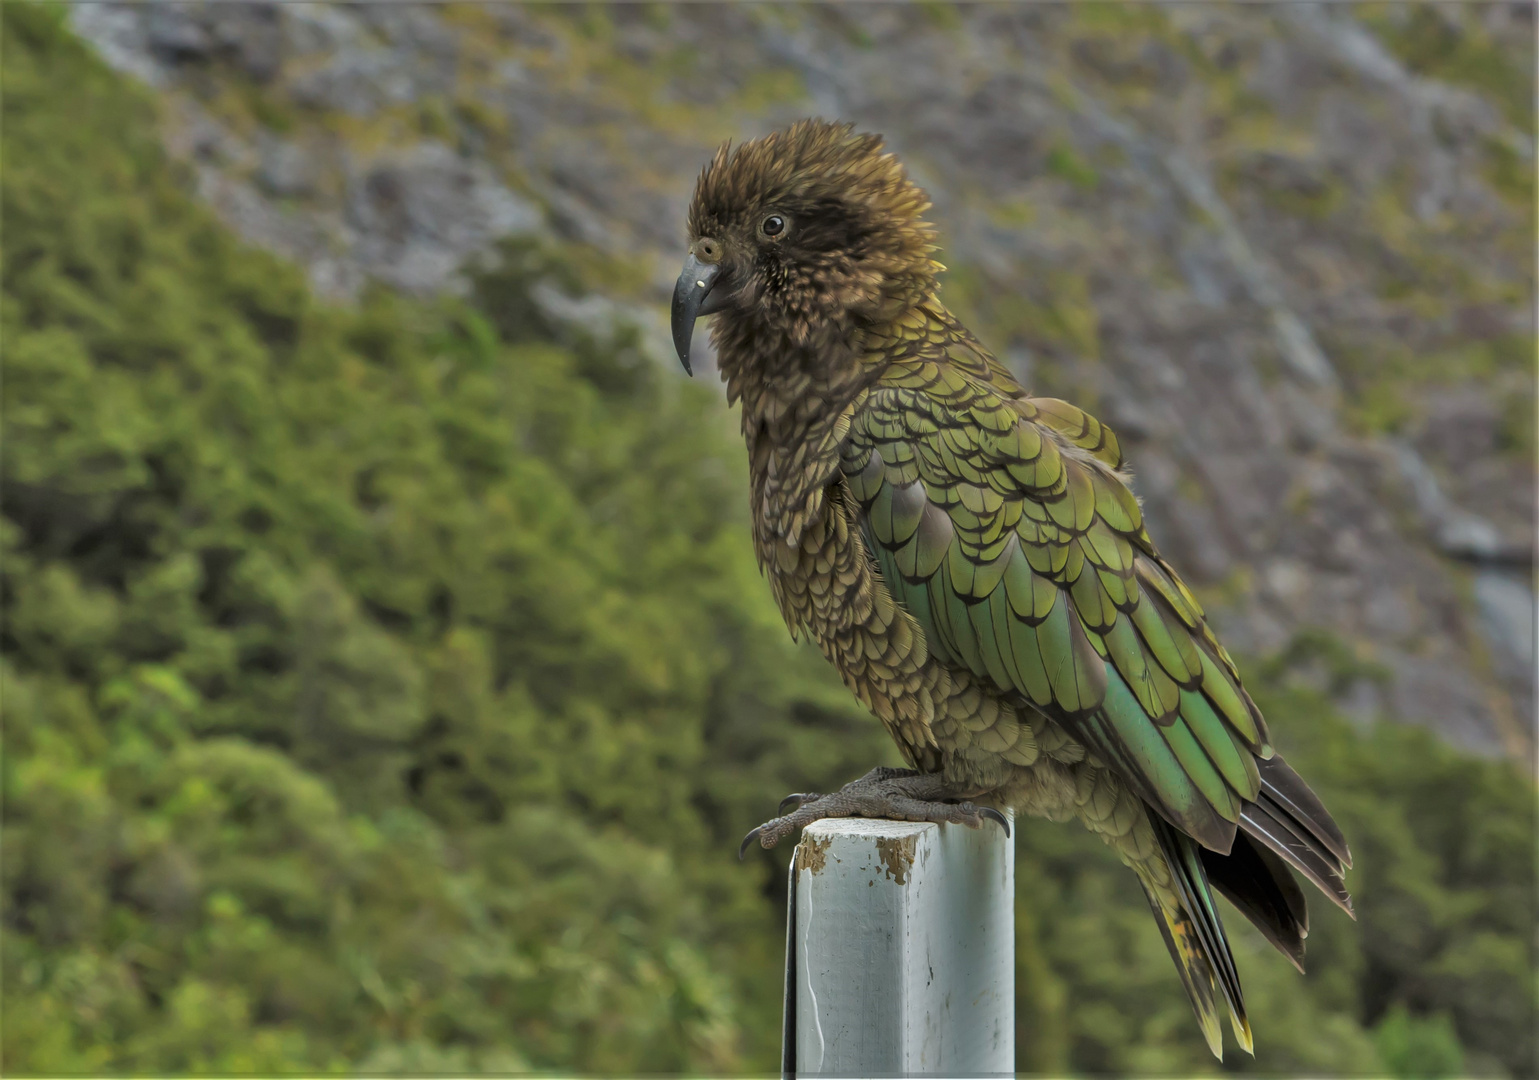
(901, 951)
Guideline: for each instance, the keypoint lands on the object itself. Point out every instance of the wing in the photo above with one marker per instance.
(1001, 523)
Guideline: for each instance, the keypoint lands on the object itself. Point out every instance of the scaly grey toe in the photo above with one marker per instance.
(895, 794)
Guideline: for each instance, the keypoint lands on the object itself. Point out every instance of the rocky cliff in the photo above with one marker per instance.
(1286, 251)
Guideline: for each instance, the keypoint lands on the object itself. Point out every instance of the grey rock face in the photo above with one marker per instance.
(418, 214)
(1281, 264)
(286, 170)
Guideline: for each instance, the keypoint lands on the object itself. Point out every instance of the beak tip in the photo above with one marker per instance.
(682, 348)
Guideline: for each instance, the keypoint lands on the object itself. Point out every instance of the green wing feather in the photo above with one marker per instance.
(1000, 523)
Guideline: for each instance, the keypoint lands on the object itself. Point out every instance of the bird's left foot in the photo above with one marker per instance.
(896, 794)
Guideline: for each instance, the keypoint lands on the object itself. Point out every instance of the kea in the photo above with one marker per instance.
(972, 561)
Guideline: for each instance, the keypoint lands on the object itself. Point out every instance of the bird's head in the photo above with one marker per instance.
(805, 230)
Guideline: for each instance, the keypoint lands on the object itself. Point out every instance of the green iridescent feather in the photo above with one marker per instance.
(1023, 557)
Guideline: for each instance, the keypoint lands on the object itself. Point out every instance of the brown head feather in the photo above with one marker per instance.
(854, 247)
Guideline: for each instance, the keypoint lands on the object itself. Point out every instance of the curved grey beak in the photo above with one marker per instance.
(689, 303)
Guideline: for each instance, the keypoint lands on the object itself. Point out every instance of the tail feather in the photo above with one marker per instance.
(1285, 826)
(1279, 831)
(1289, 820)
(1194, 934)
(1192, 966)
(1286, 790)
(1259, 885)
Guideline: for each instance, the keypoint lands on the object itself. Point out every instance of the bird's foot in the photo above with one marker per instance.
(895, 794)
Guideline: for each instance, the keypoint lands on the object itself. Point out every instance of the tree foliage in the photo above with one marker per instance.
(385, 688)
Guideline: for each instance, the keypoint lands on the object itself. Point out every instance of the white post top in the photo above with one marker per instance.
(901, 951)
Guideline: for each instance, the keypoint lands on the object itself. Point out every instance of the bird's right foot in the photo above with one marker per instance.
(895, 794)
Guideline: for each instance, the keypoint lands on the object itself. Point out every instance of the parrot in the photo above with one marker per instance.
(973, 562)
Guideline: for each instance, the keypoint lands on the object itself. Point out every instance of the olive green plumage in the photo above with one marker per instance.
(972, 560)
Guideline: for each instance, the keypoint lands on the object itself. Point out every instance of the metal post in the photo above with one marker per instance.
(900, 951)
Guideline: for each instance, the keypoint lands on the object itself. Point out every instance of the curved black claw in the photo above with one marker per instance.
(994, 815)
(795, 800)
(749, 839)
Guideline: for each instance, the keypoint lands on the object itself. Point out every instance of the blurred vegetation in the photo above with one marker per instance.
(386, 688)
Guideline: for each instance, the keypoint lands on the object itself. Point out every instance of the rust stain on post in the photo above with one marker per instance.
(812, 854)
(897, 855)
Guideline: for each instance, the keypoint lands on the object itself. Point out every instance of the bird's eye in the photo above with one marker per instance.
(773, 225)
